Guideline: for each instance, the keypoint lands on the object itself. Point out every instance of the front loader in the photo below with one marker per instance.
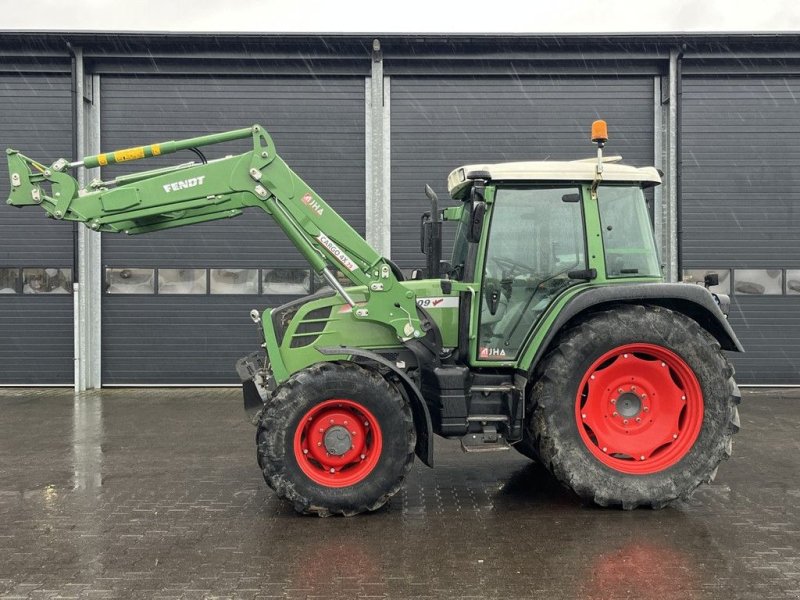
(550, 330)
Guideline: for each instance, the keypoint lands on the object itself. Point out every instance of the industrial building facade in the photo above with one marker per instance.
(367, 122)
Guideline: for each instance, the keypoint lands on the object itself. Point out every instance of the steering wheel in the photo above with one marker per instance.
(513, 267)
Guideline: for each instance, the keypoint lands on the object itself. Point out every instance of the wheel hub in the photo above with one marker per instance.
(337, 440)
(629, 404)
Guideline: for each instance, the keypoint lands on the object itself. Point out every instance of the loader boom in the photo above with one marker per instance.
(193, 193)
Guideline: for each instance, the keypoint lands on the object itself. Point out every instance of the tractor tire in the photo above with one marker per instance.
(336, 438)
(634, 406)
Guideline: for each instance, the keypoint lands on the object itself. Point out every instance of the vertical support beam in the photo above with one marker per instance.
(88, 286)
(78, 142)
(378, 156)
(658, 158)
(671, 213)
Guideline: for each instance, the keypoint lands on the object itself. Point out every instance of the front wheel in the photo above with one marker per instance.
(336, 439)
(634, 406)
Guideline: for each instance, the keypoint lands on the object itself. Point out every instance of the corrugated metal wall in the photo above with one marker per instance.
(36, 329)
(741, 210)
(441, 123)
(318, 127)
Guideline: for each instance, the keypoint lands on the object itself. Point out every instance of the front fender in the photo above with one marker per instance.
(422, 417)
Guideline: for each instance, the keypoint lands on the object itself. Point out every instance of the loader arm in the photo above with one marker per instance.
(191, 193)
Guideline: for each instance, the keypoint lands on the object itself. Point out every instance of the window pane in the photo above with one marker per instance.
(627, 236)
(234, 281)
(286, 281)
(181, 281)
(8, 281)
(758, 282)
(46, 281)
(698, 276)
(535, 239)
(130, 281)
(793, 281)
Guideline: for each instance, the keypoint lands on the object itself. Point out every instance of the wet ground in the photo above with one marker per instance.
(156, 494)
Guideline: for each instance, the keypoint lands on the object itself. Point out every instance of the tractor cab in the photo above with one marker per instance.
(528, 231)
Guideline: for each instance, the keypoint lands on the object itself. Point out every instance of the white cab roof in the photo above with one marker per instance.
(460, 180)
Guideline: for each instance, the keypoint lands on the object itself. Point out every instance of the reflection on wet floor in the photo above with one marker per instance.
(155, 493)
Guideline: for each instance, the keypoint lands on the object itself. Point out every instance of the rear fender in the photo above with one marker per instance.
(692, 300)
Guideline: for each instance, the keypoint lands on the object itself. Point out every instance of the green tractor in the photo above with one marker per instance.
(550, 330)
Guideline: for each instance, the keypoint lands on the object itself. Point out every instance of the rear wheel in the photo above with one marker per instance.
(336, 439)
(634, 406)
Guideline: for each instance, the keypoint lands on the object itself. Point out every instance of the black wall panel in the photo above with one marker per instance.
(741, 206)
(318, 126)
(440, 123)
(36, 342)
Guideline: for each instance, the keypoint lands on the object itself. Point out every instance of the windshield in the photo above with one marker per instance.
(461, 245)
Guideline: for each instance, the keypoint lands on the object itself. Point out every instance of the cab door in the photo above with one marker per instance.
(535, 238)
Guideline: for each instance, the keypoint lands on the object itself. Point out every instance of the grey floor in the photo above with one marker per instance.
(156, 494)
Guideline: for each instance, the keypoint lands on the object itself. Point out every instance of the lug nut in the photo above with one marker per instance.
(583, 416)
(638, 419)
(683, 397)
(366, 423)
(619, 390)
(646, 408)
(605, 449)
(633, 388)
(624, 421)
(322, 430)
(663, 364)
(592, 377)
(613, 401)
(319, 443)
(334, 470)
(363, 456)
(331, 421)
(305, 451)
(674, 436)
(615, 414)
(641, 457)
(624, 356)
(345, 423)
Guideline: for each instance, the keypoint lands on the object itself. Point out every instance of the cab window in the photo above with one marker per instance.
(536, 237)
(628, 242)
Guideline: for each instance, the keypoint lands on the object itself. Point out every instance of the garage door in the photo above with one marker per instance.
(439, 124)
(176, 304)
(35, 253)
(741, 211)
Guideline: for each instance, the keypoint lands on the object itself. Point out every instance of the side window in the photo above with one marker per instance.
(628, 243)
(535, 238)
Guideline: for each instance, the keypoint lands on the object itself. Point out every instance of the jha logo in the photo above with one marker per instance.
(312, 204)
(185, 184)
(491, 352)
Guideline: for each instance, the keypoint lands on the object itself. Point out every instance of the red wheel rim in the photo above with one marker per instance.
(337, 443)
(639, 408)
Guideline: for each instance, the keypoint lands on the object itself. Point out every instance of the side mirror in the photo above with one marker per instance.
(476, 224)
(711, 280)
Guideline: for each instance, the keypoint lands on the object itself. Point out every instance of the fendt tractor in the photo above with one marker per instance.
(550, 330)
